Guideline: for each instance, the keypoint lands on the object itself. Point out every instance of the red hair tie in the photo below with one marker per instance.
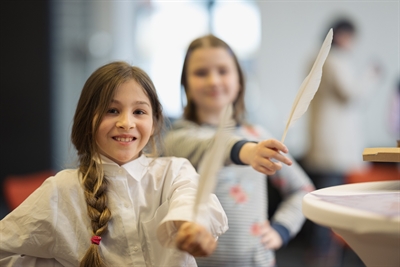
(96, 239)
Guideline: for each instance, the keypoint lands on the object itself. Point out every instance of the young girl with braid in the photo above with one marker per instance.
(121, 206)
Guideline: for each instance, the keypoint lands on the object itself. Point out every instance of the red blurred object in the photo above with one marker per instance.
(18, 187)
(374, 173)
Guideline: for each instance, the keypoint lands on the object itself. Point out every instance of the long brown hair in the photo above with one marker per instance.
(210, 40)
(93, 103)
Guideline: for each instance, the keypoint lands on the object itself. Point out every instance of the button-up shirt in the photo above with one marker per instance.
(52, 228)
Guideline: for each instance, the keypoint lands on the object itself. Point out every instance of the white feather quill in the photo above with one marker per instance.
(310, 84)
(213, 160)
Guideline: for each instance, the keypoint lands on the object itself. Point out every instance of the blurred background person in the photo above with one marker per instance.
(212, 78)
(335, 132)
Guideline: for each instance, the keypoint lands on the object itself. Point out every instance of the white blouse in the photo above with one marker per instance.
(52, 228)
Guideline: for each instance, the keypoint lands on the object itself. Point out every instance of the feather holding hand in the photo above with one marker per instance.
(213, 160)
(310, 84)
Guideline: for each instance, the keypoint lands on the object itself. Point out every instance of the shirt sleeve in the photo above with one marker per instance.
(192, 143)
(182, 195)
(28, 231)
(282, 231)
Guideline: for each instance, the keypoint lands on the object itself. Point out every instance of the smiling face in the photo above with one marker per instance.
(127, 125)
(212, 81)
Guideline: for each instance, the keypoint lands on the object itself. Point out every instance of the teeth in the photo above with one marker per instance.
(121, 139)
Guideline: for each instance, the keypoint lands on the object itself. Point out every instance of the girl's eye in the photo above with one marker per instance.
(112, 111)
(139, 112)
(223, 71)
(200, 73)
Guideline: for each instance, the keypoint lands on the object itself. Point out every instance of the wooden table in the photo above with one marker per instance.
(365, 215)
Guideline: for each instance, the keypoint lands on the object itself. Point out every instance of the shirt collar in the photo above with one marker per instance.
(135, 168)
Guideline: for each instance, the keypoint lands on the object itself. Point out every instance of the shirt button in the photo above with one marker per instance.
(135, 248)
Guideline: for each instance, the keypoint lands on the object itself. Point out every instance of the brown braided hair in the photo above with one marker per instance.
(93, 103)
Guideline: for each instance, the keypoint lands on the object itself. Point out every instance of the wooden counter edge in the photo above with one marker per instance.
(382, 154)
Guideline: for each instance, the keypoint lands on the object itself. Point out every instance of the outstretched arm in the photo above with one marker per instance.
(193, 141)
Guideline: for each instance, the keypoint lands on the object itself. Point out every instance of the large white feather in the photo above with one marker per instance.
(310, 84)
(213, 160)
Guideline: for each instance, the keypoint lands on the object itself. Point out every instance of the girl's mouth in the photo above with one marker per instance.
(124, 139)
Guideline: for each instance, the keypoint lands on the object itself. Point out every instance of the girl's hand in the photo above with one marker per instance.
(194, 239)
(269, 237)
(265, 156)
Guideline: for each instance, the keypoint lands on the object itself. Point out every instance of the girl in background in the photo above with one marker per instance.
(120, 207)
(212, 78)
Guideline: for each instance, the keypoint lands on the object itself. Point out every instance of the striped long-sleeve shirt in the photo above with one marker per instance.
(243, 195)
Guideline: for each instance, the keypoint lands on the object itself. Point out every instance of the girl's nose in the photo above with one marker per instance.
(213, 78)
(126, 121)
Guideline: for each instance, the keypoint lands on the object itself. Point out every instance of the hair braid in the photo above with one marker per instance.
(95, 186)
